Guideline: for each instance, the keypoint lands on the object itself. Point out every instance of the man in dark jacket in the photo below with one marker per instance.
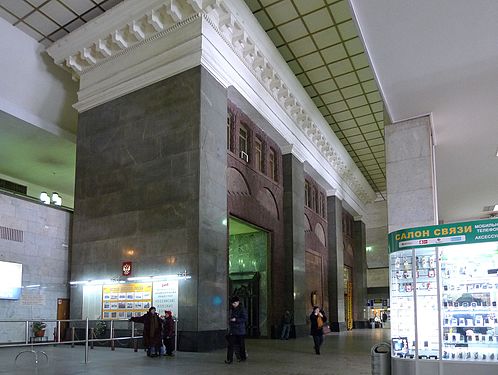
(152, 331)
(236, 331)
(317, 320)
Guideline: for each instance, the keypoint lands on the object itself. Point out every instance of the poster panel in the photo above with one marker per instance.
(165, 296)
(122, 301)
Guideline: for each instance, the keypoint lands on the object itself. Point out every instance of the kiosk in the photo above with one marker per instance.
(444, 296)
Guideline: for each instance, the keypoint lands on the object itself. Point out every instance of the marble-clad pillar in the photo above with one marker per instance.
(294, 240)
(151, 188)
(359, 275)
(411, 188)
(336, 264)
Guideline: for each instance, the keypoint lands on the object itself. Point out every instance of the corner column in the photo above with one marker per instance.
(336, 265)
(359, 275)
(295, 280)
(411, 185)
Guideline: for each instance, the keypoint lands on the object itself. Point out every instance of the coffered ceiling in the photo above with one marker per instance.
(49, 20)
(319, 41)
(317, 38)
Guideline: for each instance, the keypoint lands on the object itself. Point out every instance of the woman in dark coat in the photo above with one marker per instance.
(236, 331)
(152, 331)
(169, 333)
(317, 319)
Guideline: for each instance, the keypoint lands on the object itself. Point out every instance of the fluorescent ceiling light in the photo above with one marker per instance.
(160, 277)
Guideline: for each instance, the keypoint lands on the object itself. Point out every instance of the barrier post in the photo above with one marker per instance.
(73, 335)
(112, 335)
(86, 341)
(135, 341)
(176, 336)
(27, 331)
(58, 331)
(92, 335)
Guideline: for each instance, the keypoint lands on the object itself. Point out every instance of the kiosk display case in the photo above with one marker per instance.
(444, 296)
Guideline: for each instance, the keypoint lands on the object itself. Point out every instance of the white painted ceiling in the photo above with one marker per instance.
(441, 57)
(425, 56)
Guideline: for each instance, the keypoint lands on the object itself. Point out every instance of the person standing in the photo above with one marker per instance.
(317, 319)
(169, 333)
(286, 325)
(236, 331)
(152, 331)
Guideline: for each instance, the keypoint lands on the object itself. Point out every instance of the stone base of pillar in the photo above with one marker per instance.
(201, 341)
(360, 324)
(302, 330)
(338, 326)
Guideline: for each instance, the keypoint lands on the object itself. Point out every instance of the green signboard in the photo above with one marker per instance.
(444, 235)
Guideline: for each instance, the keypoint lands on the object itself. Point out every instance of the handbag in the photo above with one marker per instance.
(319, 322)
(326, 329)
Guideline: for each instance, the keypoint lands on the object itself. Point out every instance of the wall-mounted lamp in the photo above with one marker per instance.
(369, 248)
(56, 199)
(44, 197)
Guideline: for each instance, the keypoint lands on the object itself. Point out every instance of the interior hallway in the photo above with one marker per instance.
(345, 353)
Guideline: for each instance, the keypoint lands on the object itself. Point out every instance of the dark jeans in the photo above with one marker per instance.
(153, 351)
(169, 344)
(237, 345)
(318, 340)
(285, 331)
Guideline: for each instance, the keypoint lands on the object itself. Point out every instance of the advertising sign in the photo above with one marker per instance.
(444, 235)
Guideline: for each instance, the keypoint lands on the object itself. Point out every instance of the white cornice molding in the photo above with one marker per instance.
(160, 38)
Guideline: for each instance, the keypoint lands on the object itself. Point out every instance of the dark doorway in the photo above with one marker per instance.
(62, 314)
(245, 285)
(248, 273)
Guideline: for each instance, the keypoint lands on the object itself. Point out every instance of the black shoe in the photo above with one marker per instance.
(228, 362)
(241, 359)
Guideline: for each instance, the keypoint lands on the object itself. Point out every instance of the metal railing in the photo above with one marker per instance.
(74, 325)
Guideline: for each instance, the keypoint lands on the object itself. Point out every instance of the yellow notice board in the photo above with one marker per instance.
(122, 301)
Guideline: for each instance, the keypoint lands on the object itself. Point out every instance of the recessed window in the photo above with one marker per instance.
(307, 195)
(230, 127)
(313, 199)
(258, 154)
(272, 165)
(243, 143)
(322, 202)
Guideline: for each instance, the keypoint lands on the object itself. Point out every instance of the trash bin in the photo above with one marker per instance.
(381, 359)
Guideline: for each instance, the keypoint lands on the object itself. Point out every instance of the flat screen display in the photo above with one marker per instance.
(10, 280)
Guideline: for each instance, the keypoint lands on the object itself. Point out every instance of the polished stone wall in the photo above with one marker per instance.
(316, 241)
(359, 275)
(151, 189)
(295, 274)
(336, 264)
(44, 252)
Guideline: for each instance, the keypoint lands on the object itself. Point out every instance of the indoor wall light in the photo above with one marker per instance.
(44, 197)
(56, 199)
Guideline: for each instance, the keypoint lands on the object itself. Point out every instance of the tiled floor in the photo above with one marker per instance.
(346, 353)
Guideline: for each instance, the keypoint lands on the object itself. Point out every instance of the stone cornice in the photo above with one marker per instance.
(132, 27)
